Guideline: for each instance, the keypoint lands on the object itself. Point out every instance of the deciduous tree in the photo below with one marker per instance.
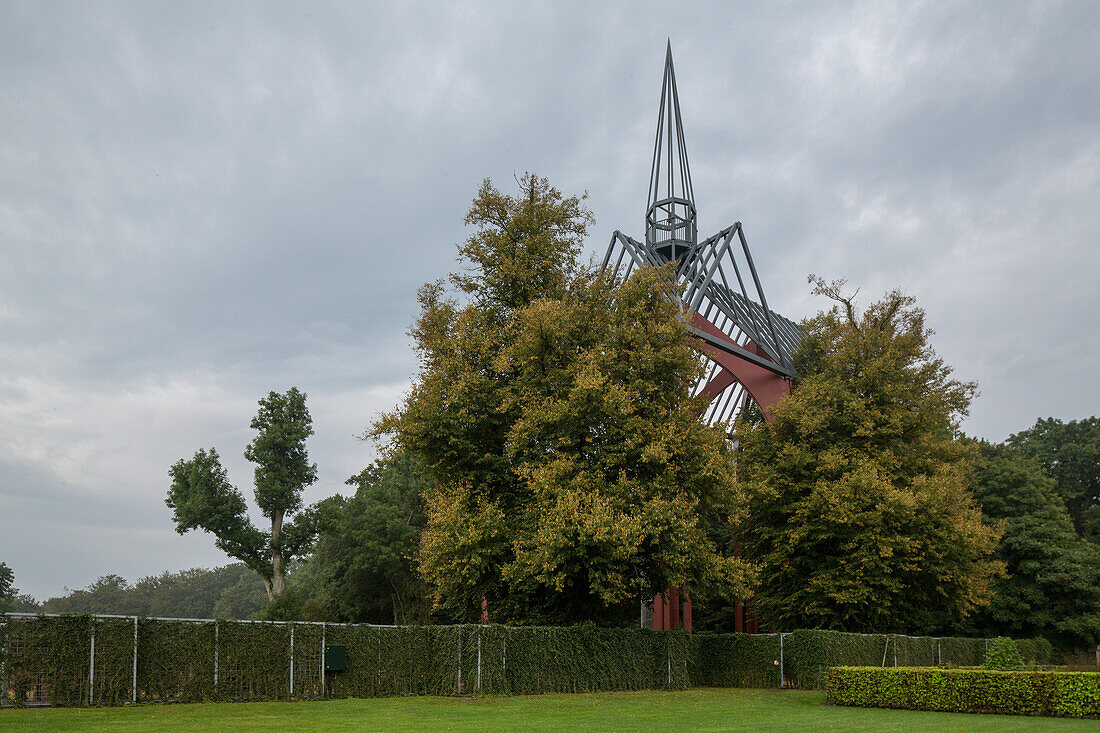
(859, 512)
(570, 471)
(367, 550)
(1052, 585)
(201, 496)
(1070, 454)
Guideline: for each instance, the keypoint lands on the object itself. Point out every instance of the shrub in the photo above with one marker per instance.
(1003, 654)
(1065, 694)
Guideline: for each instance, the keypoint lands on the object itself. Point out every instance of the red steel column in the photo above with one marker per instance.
(660, 622)
(674, 608)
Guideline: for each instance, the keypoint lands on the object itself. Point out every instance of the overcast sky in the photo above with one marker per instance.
(203, 203)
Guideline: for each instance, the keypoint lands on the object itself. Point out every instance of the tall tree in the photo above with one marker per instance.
(8, 591)
(201, 496)
(10, 597)
(570, 473)
(366, 551)
(1070, 454)
(857, 491)
(1052, 586)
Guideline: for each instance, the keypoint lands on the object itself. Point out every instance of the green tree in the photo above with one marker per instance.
(8, 591)
(857, 491)
(108, 594)
(232, 591)
(366, 553)
(570, 471)
(1052, 586)
(1070, 454)
(201, 496)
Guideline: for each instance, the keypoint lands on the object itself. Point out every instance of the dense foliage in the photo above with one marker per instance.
(201, 496)
(1003, 654)
(570, 472)
(1052, 581)
(366, 553)
(191, 662)
(1070, 454)
(859, 511)
(226, 660)
(1067, 694)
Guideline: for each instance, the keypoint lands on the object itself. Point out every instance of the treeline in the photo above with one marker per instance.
(231, 592)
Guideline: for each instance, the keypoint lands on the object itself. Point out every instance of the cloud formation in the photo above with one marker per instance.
(200, 203)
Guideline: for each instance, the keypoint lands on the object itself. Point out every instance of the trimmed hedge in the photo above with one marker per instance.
(1064, 694)
(47, 659)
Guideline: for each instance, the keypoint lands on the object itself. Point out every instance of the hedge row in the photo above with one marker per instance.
(1067, 694)
(50, 659)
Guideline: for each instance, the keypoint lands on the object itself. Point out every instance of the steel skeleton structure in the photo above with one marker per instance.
(748, 345)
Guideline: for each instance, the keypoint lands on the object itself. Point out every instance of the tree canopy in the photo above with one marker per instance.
(570, 471)
(367, 550)
(1070, 454)
(858, 505)
(201, 496)
(8, 591)
(1052, 582)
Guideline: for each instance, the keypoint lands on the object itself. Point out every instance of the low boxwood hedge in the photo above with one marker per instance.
(1064, 694)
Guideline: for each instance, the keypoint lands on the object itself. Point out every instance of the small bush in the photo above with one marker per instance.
(1003, 654)
(1063, 694)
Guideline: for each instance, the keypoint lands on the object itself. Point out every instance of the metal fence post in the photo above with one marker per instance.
(91, 665)
(782, 680)
(322, 659)
(939, 653)
(4, 662)
(215, 657)
(459, 660)
(133, 683)
(292, 661)
(478, 687)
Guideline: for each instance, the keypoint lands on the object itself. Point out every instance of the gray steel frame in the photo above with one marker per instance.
(711, 280)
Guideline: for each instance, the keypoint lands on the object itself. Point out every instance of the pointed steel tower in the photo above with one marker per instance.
(671, 231)
(748, 345)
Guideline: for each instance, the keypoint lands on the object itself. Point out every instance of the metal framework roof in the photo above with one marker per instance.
(717, 276)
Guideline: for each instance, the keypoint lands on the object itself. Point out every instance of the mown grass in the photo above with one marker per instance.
(699, 709)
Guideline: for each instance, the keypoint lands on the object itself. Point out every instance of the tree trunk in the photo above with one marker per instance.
(278, 580)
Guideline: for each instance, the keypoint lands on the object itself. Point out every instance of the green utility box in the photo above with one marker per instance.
(336, 658)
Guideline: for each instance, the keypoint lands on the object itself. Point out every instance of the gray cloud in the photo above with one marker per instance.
(200, 203)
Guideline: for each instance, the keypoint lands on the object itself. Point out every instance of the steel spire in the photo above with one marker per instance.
(670, 225)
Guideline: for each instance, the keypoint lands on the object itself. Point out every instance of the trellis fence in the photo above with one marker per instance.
(800, 658)
(116, 660)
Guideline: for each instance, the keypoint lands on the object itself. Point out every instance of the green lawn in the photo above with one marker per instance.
(700, 709)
